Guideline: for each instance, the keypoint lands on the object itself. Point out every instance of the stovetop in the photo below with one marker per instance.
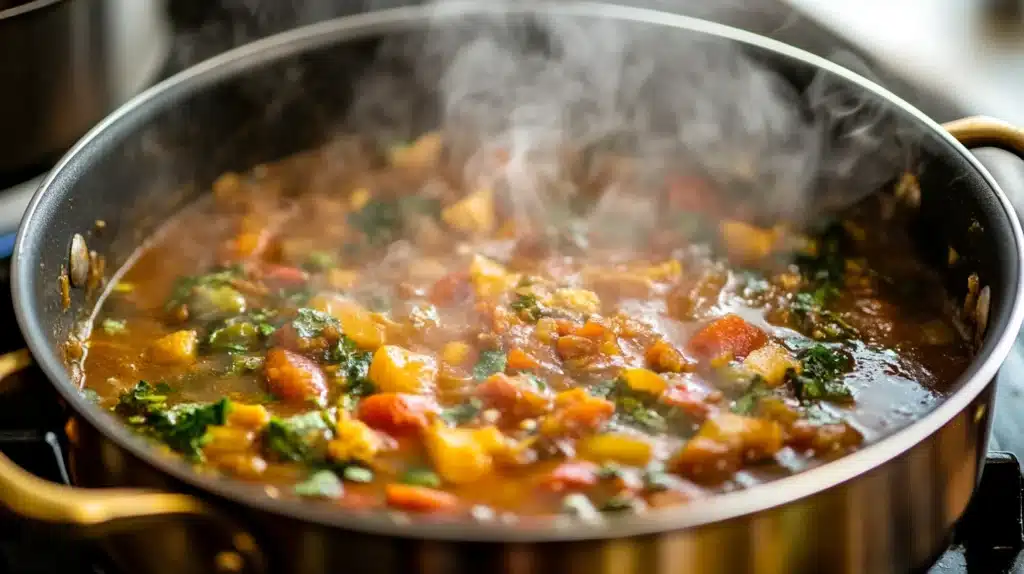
(989, 539)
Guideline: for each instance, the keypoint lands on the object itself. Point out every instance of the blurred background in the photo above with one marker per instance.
(65, 64)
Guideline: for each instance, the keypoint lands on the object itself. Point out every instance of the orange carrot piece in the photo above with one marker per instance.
(728, 335)
(570, 475)
(397, 414)
(519, 360)
(419, 498)
(590, 329)
(293, 377)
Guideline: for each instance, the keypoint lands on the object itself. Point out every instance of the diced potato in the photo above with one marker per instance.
(663, 358)
(225, 439)
(753, 436)
(252, 417)
(359, 198)
(613, 447)
(644, 381)
(459, 455)
(579, 300)
(178, 348)
(489, 278)
(771, 362)
(356, 321)
(398, 370)
(455, 353)
(353, 441)
(473, 214)
(745, 242)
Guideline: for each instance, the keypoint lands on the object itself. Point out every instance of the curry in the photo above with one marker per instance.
(376, 331)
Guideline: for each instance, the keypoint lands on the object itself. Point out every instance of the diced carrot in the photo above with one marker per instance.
(518, 360)
(590, 329)
(571, 475)
(691, 402)
(450, 289)
(663, 358)
(396, 413)
(284, 275)
(574, 347)
(293, 377)
(730, 335)
(577, 412)
(564, 326)
(419, 498)
(515, 397)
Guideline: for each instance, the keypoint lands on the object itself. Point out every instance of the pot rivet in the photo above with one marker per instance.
(979, 414)
(79, 261)
(228, 561)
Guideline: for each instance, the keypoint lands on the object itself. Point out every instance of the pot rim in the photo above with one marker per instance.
(700, 512)
(27, 7)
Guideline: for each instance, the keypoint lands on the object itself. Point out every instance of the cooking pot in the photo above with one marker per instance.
(64, 64)
(889, 507)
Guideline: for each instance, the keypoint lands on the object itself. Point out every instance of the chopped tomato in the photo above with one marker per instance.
(419, 498)
(517, 397)
(284, 275)
(396, 413)
(571, 475)
(577, 412)
(691, 402)
(730, 335)
(293, 377)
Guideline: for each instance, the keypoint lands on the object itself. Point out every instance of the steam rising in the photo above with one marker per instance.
(530, 97)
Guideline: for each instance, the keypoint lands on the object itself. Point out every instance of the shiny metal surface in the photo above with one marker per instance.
(64, 65)
(887, 508)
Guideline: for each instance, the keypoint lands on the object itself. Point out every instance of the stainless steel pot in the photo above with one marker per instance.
(888, 508)
(64, 65)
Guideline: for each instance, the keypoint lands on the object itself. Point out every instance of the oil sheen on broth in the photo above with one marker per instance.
(375, 332)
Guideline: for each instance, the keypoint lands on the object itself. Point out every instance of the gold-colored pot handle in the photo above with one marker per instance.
(981, 131)
(92, 511)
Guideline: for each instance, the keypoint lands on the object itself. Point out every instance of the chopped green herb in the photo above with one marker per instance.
(489, 363)
(604, 389)
(113, 326)
(422, 477)
(747, 403)
(658, 480)
(299, 438)
(321, 484)
(183, 427)
(383, 220)
(633, 411)
(620, 502)
(821, 374)
(361, 474)
(213, 283)
(462, 414)
(527, 307)
(139, 400)
(355, 366)
(310, 323)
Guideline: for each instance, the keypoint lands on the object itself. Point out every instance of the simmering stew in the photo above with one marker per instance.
(364, 327)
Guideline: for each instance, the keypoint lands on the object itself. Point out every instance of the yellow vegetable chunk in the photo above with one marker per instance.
(178, 348)
(455, 353)
(579, 300)
(745, 242)
(342, 278)
(489, 278)
(252, 417)
(473, 214)
(357, 323)
(771, 362)
(398, 370)
(420, 154)
(756, 437)
(353, 441)
(621, 448)
(459, 455)
(644, 380)
(225, 439)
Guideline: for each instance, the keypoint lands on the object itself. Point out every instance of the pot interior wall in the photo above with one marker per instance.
(165, 150)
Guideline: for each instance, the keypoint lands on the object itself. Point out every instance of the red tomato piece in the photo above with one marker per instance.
(728, 335)
(571, 475)
(396, 413)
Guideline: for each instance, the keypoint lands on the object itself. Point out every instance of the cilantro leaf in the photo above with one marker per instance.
(821, 374)
(489, 363)
(463, 413)
(310, 323)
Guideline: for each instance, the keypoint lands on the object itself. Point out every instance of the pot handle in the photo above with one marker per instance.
(982, 131)
(96, 512)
